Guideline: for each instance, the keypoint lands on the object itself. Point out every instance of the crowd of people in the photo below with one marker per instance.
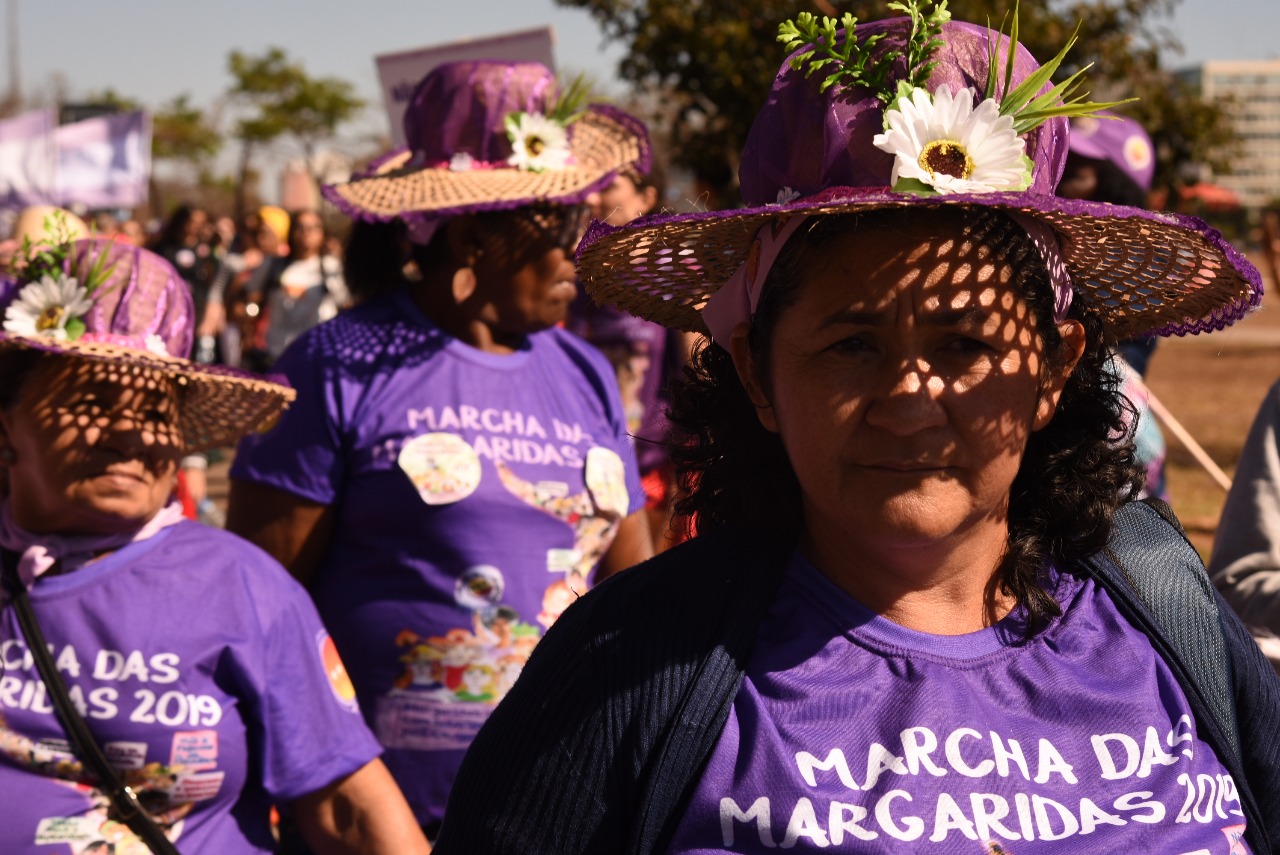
(561, 523)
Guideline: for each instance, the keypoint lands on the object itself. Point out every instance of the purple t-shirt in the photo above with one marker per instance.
(473, 494)
(853, 734)
(203, 671)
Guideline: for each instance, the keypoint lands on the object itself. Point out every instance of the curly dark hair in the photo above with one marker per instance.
(1074, 474)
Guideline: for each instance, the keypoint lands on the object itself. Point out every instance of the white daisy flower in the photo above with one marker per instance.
(537, 143)
(946, 143)
(43, 308)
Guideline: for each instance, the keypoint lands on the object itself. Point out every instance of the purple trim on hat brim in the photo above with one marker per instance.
(629, 122)
(383, 159)
(1027, 202)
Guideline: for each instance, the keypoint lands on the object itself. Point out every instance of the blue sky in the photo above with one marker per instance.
(155, 49)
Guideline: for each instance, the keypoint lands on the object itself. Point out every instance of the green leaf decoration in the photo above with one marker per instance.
(914, 186)
(75, 328)
(820, 48)
(1030, 109)
(571, 102)
(97, 273)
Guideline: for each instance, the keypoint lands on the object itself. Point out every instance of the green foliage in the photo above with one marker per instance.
(181, 131)
(279, 98)
(857, 63)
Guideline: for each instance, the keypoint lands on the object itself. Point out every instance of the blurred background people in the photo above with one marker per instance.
(293, 293)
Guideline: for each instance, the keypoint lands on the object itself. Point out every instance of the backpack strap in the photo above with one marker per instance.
(1168, 578)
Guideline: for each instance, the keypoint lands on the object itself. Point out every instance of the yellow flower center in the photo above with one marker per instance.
(536, 145)
(947, 157)
(50, 319)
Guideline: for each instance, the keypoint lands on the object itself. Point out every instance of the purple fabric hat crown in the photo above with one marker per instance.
(142, 303)
(460, 108)
(1119, 140)
(813, 153)
(805, 141)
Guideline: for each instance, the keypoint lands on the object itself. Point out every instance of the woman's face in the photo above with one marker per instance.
(94, 447)
(524, 270)
(308, 235)
(622, 201)
(904, 383)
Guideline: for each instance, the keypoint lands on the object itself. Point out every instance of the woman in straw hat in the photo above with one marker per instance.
(456, 470)
(900, 629)
(199, 666)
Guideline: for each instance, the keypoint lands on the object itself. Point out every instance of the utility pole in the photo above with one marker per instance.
(13, 101)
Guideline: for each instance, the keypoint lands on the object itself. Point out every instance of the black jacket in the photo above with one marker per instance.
(600, 744)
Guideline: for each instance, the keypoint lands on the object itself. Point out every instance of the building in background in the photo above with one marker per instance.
(1252, 88)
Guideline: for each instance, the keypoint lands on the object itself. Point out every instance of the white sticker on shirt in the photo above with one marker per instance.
(443, 467)
(606, 479)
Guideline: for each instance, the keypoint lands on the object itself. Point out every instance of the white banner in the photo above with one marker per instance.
(28, 160)
(400, 73)
(104, 162)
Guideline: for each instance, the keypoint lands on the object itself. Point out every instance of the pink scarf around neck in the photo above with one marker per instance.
(37, 553)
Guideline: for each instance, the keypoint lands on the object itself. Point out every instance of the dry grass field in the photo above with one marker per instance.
(1213, 385)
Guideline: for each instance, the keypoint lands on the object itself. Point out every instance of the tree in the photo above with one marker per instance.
(278, 98)
(711, 65)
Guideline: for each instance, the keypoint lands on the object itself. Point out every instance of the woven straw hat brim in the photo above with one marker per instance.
(1148, 273)
(603, 141)
(219, 404)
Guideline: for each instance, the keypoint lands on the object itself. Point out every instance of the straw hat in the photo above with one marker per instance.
(136, 313)
(487, 135)
(815, 153)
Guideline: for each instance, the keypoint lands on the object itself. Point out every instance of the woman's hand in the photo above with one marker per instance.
(363, 813)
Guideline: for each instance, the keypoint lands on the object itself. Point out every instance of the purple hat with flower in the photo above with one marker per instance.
(485, 135)
(1118, 140)
(113, 302)
(916, 111)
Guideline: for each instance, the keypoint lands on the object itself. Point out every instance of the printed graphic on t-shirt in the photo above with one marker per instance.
(450, 682)
(442, 466)
(167, 790)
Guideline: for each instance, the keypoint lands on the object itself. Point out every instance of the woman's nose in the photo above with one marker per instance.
(908, 399)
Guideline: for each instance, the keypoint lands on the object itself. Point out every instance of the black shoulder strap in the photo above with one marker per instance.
(128, 808)
(1164, 570)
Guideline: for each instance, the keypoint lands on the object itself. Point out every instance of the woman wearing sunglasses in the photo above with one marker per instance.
(456, 470)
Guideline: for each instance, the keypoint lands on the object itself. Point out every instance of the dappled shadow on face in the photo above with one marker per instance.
(908, 375)
(93, 439)
(516, 238)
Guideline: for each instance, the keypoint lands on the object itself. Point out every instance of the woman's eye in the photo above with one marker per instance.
(853, 344)
(968, 344)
